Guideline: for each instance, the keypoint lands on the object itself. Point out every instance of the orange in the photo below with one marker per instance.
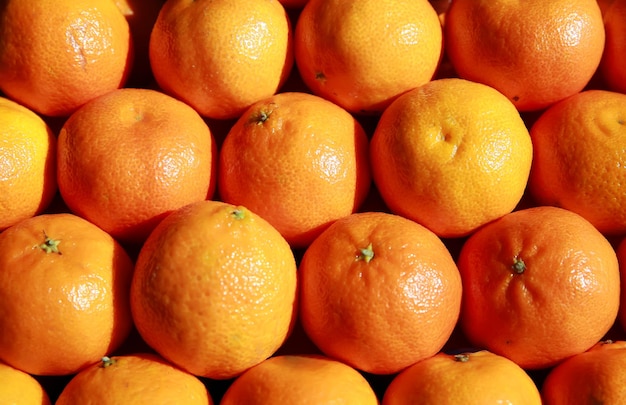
(214, 289)
(221, 56)
(612, 65)
(378, 292)
(539, 285)
(362, 54)
(141, 16)
(64, 287)
(57, 55)
(594, 377)
(134, 379)
(132, 156)
(27, 163)
(452, 155)
(477, 378)
(297, 160)
(20, 388)
(300, 379)
(579, 147)
(535, 52)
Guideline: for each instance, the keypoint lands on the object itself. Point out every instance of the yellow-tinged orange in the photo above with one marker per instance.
(452, 155)
(55, 55)
(535, 52)
(473, 378)
(27, 163)
(362, 54)
(378, 292)
(134, 379)
(539, 285)
(300, 379)
(221, 56)
(20, 388)
(299, 161)
(214, 289)
(612, 65)
(594, 377)
(579, 158)
(64, 288)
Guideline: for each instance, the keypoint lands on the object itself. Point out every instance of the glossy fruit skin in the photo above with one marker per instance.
(539, 285)
(222, 56)
(214, 289)
(469, 378)
(579, 151)
(57, 55)
(295, 379)
(28, 180)
(361, 66)
(76, 279)
(452, 155)
(536, 53)
(368, 285)
(134, 378)
(129, 158)
(18, 387)
(593, 377)
(299, 161)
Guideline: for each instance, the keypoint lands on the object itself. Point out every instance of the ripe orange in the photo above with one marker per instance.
(64, 287)
(134, 379)
(214, 289)
(20, 388)
(594, 377)
(378, 292)
(535, 52)
(221, 56)
(539, 285)
(297, 160)
(477, 378)
(300, 379)
(451, 155)
(612, 64)
(362, 54)
(57, 55)
(132, 156)
(579, 146)
(27, 163)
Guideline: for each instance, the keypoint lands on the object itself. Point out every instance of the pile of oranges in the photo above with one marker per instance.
(312, 201)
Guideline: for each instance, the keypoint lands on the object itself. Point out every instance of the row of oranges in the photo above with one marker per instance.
(365, 213)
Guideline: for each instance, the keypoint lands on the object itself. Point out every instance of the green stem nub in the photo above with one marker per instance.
(518, 266)
(239, 213)
(107, 362)
(462, 357)
(50, 245)
(366, 254)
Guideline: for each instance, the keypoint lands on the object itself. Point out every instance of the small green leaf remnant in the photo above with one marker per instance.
(366, 254)
(462, 357)
(518, 265)
(107, 362)
(50, 245)
(239, 213)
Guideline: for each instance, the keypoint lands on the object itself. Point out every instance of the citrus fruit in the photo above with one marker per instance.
(214, 289)
(57, 55)
(134, 379)
(452, 155)
(64, 287)
(594, 377)
(534, 52)
(132, 156)
(369, 285)
(539, 285)
(362, 54)
(300, 379)
(477, 378)
(579, 150)
(27, 163)
(20, 388)
(297, 160)
(612, 65)
(221, 56)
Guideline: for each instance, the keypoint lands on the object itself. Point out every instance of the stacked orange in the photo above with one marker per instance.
(252, 196)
